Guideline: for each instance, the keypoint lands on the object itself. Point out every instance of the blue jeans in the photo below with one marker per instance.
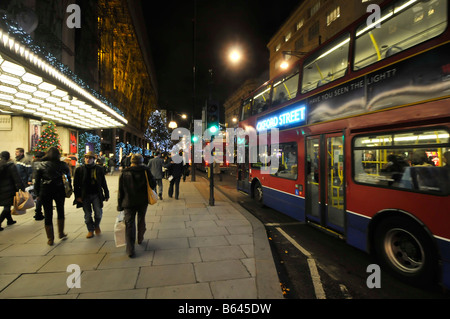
(159, 184)
(92, 202)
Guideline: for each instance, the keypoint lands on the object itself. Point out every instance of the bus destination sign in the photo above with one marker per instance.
(284, 118)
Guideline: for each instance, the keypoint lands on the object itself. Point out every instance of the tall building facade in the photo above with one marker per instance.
(83, 64)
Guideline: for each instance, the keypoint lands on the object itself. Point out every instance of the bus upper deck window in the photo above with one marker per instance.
(246, 108)
(261, 100)
(285, 89)
(401, 26)
(328, 64)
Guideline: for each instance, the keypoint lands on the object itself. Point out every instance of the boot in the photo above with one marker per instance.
(50, 234)
(62, 236)
(97, 229)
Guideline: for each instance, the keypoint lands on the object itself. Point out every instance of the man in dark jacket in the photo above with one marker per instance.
(156, 165)
(24, 166)
(91, 190)
(176, 171)
(133, 199)
(10, 183)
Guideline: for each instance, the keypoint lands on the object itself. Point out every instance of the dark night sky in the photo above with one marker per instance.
(219, 24)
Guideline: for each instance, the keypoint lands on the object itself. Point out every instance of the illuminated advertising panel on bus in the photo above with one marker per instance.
(293, 115)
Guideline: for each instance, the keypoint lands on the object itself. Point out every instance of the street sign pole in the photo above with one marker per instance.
(211, 184)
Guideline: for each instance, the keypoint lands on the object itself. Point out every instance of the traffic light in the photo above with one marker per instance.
(212, 117)
(194, 138)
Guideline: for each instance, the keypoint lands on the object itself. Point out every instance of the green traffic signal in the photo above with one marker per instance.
(194, 138)
(213, 129)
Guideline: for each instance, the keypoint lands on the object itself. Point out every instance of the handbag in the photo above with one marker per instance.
(67, 187)
(22, 202)
(152, 196)
(119, 230)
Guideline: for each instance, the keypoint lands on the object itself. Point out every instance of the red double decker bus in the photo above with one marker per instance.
(364, 139)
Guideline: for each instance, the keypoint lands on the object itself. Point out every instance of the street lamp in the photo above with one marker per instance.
(285, 64)
(172, 123)
(235, 56)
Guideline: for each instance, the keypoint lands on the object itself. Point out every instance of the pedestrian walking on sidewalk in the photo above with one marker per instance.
(49, 187)
(10, 183)
(133, 199)
(23, 164)
(38, 215)
(91, 190)
(156, 167)
(176, 171)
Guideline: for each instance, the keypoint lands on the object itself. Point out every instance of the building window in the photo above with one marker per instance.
(313, 30)
(333, 15)
(287, 37)
(277, 48)
(314, 8)
(299, 44)
(299, 25)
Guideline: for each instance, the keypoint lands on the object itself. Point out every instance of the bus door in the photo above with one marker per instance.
(325, 180)
(243, 183)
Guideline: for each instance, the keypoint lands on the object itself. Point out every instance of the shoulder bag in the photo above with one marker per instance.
(67, 187)
(152, 196)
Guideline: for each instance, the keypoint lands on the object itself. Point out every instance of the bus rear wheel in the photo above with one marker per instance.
(404, 248)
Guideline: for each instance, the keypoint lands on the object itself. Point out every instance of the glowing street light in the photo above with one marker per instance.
(284, 65)
(235, 56)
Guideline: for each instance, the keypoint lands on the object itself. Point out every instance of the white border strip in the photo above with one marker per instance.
(318, 288)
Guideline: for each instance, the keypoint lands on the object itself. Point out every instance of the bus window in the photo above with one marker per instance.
(286, 88)
(414, 160)
(328, 64)
(288, 161)
(402, 26)
(246, 108)
(261, 100)
(261, 160)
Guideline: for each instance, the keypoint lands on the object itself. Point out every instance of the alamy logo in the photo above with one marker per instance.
(74, 19)
(374, 18)
(248, 142)
(374, 279)
(74, 279)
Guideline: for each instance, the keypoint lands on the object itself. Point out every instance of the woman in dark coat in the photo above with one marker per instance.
(49, 187)
(133, 199)
(10, 183)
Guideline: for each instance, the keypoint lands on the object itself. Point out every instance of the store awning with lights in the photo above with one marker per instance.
(31, 85)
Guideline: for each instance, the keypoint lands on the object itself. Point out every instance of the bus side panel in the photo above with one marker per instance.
(357, 227)
(444, 250)
(289, 204)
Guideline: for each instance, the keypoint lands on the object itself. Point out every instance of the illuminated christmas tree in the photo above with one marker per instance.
(49, 137)
(157, 132)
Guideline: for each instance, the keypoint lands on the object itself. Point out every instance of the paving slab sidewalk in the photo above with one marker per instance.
(191, 251)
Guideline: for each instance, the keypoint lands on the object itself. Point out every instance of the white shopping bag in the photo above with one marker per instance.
(119, 230)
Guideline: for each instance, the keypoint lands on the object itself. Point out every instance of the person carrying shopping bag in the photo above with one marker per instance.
(10, 183)
(133, 200)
